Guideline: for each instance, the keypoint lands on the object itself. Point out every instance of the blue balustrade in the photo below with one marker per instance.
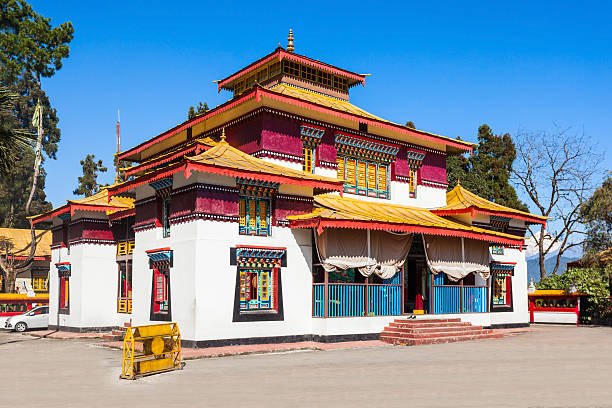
(318, 300)
(449, 299)
(345, 300)
(349, 300)
(384, 300)
(474, 299)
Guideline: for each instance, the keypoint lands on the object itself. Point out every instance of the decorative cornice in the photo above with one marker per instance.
(276, 155)
(360, 147)
(436, 184)
(207, 187)
(81, 241)
(294, 198)
(194, 216)
(328, 165)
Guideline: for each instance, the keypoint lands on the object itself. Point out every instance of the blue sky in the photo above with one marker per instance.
(447, 66)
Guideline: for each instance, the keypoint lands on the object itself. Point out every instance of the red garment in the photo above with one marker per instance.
(418, 302)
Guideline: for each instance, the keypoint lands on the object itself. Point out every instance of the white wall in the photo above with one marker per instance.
(92, 288)
(519, 289)
(203, 282)
(555, 317)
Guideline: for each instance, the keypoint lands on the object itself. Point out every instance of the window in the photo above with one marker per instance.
(40, 283)
(257, 290)
(64, 292)
(254, 216)
(275, 69)
(363, 177)
(262, 75)
(124, 295)
(501, 298)
(412, 183)
(160, 309)
(166, 216)
(309, 159)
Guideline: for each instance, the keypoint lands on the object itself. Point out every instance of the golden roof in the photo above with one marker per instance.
(324, 100)
(337, 208)
(460, 200)
(97, 202)
(100, 199)
(223, 155)
(20, 238)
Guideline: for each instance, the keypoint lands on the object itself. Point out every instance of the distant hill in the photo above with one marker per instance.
(533, 266)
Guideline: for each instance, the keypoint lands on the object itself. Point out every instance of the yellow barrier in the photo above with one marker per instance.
(151, 349)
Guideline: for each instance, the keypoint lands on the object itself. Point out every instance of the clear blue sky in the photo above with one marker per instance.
(447, 66)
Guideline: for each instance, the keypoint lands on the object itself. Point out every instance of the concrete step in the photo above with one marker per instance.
(416, 325)
(432, 328)
(421, 320)
(437, 340)
(436, 331)
(435, 334)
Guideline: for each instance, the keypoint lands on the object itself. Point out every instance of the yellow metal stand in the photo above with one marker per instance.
(151, 349)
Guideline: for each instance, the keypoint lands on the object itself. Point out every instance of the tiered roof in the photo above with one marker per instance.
(280, 54)
(333, 211)
(227, 160)
(99, 202)
(462, 201)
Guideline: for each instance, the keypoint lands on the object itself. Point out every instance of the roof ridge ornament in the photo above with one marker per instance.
(290, 46)
(223, 135)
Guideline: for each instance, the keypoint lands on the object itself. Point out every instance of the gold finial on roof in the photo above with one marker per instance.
(223, 135)
(290, 46)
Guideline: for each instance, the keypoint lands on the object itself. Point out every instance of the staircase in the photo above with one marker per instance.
(117, 334)
(404, 332)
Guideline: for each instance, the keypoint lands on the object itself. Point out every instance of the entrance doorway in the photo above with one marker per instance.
(416, 278)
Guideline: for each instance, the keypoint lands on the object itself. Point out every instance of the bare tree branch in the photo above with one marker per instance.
(556, 171)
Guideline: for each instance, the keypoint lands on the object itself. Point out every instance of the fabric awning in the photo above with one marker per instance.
(370, 252)
(457, 257)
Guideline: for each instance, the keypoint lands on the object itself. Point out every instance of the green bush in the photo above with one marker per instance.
(593, 282)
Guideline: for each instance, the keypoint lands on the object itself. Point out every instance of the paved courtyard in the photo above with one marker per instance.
(550, 366)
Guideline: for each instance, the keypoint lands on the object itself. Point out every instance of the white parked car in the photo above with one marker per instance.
(37, 318)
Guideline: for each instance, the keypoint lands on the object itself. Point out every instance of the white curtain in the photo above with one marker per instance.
(457, 257)
(382, 254)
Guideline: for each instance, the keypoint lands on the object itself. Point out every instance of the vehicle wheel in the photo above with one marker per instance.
(21, 327)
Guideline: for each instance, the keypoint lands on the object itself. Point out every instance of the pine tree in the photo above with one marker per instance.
(193, 112)
(31, 49)
(88, 182)
(487, 172)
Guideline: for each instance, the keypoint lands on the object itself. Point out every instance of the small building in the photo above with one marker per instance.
(286, 214)
(15, 243)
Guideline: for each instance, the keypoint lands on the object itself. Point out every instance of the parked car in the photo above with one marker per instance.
(37, 318)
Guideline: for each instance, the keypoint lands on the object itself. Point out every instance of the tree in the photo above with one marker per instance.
(88, 182)
(596, 214)
(592, 281)
(487, 171)
(556, 172)
(13, 139)
(193, 112)
(31, 49)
